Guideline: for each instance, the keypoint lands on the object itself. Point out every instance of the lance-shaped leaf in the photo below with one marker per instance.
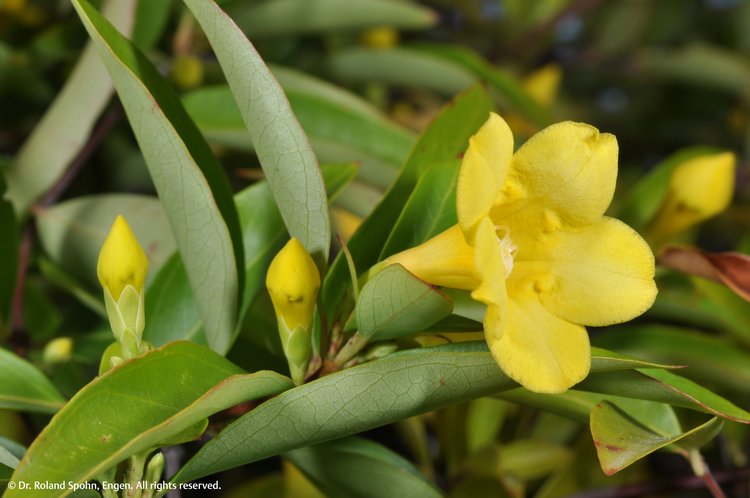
(136, 406)
(621, 439)
(378, 470)
(361, 398)
(68, 122)
(23, 387)
(395, 303)
(189, 180)
(8, 252)
(282, 147)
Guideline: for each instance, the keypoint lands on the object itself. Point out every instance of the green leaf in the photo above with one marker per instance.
(430, 209)
(284, 152)
(358, 467)
(151, 19)
(8, 252)
(134, 407)
(394, 303)
(292, 17)
(8, 459)
(72, 232)
(621, 439)
(361, 398)
(191, 185)
(24, 388)
(680, 346)
(337, 176)
(445, 139)
(402, 67)
(68, 122)
(666, 387)
(504, 83)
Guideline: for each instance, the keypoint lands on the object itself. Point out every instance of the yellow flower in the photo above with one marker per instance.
(699, 188)
(122, 261)
(533, 244)
(293, 282)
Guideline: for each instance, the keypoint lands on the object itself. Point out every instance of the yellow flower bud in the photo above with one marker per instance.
(122, 261)
(293, 282)
(380, 38)
(699, 188)
(58, 350)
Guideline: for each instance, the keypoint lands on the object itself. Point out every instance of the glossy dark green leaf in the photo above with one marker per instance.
(288, 161)
(23, 387)
(431, 208)
(190, 182)
(445, 139)
(67, 124)
(150, 20)
(394, 303)
(134, 407)
(361, 398)
(378, 470)
(291, 17)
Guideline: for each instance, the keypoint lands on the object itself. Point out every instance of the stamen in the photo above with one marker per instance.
(507, 248)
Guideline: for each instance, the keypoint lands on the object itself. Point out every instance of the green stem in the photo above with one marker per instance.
(351, 348)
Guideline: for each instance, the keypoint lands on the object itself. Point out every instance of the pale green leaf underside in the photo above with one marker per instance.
(284, 152)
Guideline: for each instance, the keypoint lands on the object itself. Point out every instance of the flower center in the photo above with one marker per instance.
(507, 248)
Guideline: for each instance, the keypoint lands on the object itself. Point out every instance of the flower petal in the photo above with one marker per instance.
(540, 351)
(569, 168)
(599, 275)
(489, 266)
(446, 259)
(483, 172)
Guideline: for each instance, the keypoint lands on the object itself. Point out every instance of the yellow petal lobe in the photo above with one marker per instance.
(483, 171)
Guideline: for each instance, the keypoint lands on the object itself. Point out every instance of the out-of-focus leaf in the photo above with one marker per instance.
(266, 486)
(395, 303)
(644, 199)
(288, 161)
(57, 276)
(336, 178)
(124, 412)
(67, 124)
(729, 268)
(621, 440)
(378, 470)
(484, 419)
(360, 398)
(699, 64)
(707, 358)
(24, 388)
(403, 67)
(729, 312)
(150, 20)
(529, 459)
(510, 90)
(8, 252)
(291, 17)
(191, 185)
(431, 208)
(445, 139)
(72, 232)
